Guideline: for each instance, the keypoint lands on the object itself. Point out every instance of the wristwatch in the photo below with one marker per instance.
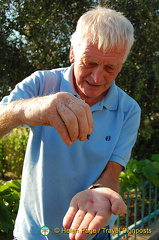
(95, 186)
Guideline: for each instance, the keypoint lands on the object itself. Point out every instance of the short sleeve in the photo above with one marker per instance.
(127, 137)
(40, 83)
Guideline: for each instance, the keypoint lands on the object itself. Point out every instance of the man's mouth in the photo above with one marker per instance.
(93, 85)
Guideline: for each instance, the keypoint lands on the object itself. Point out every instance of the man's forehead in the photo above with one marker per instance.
(92, 52)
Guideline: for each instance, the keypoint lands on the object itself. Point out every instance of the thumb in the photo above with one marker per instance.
(118, 206)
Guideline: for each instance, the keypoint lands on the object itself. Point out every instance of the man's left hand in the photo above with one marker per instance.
(90, 210)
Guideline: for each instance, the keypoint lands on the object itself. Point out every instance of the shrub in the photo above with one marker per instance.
(9, 202)
(137, 172)
(12, 150)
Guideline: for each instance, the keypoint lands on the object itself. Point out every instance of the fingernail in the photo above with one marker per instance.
(88, 137)
(69, 143)
(82, 138)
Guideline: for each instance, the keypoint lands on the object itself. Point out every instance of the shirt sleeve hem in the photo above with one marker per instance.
(119, 160)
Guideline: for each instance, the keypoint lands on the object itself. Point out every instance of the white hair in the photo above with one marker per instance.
(106, 27)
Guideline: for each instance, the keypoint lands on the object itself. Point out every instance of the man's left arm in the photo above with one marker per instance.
(109, 177)
(91, 209)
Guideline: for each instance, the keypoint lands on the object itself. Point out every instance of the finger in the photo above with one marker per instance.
(60, 126)
(102, 216)
(85, 123)
(78, 218)
(82, 123)
(83, 228)
(118, 206)
(76, 223)
(84, 116)
(80, 235)
(99, 220)
(70, 121)
(69, 216)
(87, 220)
(89, 116)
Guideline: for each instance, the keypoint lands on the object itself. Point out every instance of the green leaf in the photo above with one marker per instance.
(155, 157)
(150, 170)
(5, 218)
(4, 191)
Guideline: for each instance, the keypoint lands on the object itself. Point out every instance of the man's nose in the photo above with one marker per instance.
(98, 74)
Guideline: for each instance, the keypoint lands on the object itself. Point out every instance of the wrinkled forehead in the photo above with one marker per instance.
(91, 50)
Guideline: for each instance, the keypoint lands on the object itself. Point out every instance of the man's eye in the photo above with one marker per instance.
(110, 68)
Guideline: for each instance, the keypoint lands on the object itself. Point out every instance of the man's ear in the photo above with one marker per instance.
(71, 54)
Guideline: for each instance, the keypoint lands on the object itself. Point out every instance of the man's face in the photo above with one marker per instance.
(95, 71)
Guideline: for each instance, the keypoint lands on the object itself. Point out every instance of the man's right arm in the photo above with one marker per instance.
(70, 116)
(9, 118)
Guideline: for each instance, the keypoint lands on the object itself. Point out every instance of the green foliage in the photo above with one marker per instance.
(35, 35)
(9, 202)
(12, 150)
(14, 65)
(137, 172)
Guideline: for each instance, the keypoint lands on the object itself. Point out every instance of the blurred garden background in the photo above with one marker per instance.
(34, 35)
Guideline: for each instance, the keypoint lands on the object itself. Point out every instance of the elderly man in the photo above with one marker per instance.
(82, 130)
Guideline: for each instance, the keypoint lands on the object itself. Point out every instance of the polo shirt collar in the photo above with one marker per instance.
(110, 101)
(67, 83)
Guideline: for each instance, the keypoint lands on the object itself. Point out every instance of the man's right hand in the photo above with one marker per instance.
(71, 116)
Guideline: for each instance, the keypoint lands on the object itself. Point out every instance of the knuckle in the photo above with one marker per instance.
(80, 111)
(87, 107)
(71, 119)
(84, 130)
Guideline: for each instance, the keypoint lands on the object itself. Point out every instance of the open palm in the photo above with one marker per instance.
(90, 210)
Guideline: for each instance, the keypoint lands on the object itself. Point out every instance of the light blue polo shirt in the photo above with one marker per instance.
(54, 172)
